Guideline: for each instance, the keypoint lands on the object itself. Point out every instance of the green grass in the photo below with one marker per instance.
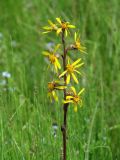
(26, 116)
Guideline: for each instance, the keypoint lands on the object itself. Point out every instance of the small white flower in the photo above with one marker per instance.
(49, 46)
(55, 126)
(6, 74)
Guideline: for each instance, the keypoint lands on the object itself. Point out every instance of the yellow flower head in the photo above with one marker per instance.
(53, 58)
(64, 26)
(77, 45)
(74, 98)
(52, 86)
(51, 27)
(71, 69)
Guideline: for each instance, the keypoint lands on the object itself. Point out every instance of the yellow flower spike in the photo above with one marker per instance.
(64, 26)
(53, 58)
(71, 69)
(77, 45)
(74, 98)
(51, 27)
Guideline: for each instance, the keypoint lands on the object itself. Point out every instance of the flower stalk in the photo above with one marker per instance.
(65, 106)
(70, 69)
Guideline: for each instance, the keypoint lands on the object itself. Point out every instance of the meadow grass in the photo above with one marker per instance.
(26, 116)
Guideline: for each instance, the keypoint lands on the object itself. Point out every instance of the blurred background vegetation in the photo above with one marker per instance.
(26, 116)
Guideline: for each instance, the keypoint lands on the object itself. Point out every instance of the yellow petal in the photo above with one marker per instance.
(57, 63)
(45, 32)
(60, 87)
(71, 26)
(56, 68)
(66, 33)
(68, 101)
(50, 22)
(77, 61)
(74, 77)
(54, 96)
(81, 103)
(74, 90)
(57, 47)
(68, 60)
(82, 49)
(45, 53)
(77, 72)
(50, 96)
(59, 30)
(63, 74)
(47, 28)
(57, 81)
(79, 65)
(75, 36)
(75, 108)
(81, 91)
(68, 79)
(58, 20)
(69, 97)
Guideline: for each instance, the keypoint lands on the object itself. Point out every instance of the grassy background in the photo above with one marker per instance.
(26, 116)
